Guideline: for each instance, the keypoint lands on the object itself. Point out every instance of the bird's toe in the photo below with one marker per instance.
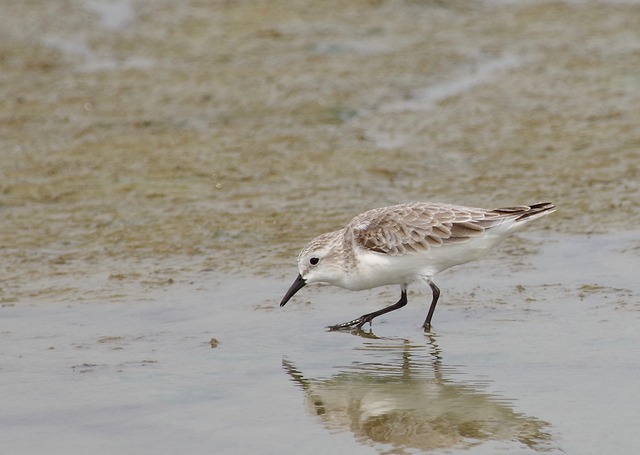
(354, 324)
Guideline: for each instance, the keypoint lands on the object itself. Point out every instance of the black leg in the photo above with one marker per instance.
(432, 308)
(362, 320)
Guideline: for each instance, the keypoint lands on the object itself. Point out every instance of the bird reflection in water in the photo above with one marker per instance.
(401, 394)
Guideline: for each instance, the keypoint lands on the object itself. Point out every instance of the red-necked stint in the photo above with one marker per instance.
(405, 243)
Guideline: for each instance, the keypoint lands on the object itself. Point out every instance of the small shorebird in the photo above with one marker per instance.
(405, 243)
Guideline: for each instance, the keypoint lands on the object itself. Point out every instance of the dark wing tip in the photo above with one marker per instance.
(540, 208)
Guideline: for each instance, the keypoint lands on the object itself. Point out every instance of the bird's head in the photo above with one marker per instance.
(318, 262)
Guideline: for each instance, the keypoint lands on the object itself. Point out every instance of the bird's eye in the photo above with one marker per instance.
(314, 261)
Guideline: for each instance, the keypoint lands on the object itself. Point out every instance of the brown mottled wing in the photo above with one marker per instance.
(416, 227)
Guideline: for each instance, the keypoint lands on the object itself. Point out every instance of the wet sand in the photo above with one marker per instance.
(163, 162)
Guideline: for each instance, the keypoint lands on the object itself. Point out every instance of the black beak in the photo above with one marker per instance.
(295, 287)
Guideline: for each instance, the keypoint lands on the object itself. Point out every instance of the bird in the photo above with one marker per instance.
(403, 244)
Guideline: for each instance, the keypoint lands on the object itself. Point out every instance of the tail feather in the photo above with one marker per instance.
(527, 213)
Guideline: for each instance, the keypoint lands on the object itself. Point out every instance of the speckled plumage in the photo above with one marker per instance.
(406, 242)
(416, 227)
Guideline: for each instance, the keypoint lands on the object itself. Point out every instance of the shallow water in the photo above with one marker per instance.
(162, 163)
(518, 361)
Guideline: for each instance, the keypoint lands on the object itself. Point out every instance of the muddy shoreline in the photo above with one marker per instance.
(150, 142)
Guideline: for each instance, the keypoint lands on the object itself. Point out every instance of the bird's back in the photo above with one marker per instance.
(425, 238)
(416, 227)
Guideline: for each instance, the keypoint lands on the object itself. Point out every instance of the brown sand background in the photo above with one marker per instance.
(148, 143)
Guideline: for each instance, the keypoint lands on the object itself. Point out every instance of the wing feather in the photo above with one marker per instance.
(417, 227)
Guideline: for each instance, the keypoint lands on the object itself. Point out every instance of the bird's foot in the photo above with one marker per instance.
(427, 327)
(354, 324)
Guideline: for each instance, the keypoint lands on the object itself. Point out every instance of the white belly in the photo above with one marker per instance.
(378, 269)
